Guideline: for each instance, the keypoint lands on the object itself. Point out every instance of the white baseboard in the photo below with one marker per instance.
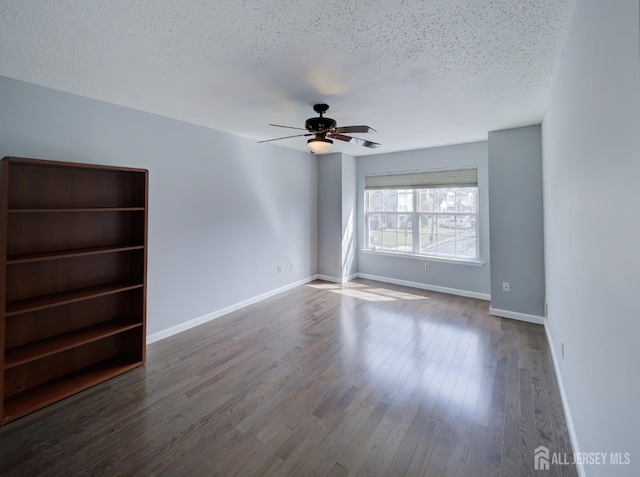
(160, 335)
(565, 403)
(174, 330)
(329, 278)
(514, 315)
(424, 286)
(349, 278)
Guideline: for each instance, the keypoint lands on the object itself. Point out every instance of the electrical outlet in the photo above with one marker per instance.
(506, 287)
(279, 268)
(427, 267)
(546, 309)
(291, 266)
(562, 349)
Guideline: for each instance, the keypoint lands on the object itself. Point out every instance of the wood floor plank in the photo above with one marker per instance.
(459, 454)
(511, 433)
(364, 379)
(404, 454)
(328, 437)
(360, 441)
(429, 440)
(527, 429)
(398, 409)
(495, 431)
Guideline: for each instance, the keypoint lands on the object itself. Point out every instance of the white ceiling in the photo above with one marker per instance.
(422, 72)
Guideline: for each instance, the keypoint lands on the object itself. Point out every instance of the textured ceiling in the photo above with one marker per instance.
(421, 72)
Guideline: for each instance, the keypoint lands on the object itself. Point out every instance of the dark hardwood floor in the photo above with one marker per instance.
(366, 379)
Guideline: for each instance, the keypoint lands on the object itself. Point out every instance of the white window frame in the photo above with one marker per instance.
(415, 226)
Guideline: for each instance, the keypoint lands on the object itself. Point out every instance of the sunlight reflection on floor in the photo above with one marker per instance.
(392, 342)
(367, 292)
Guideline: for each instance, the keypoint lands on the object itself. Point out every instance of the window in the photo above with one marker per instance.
(436, 216)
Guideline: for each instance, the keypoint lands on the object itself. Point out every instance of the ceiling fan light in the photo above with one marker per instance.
(319, 145)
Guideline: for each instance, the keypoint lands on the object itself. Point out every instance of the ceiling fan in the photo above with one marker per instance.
(325, 129)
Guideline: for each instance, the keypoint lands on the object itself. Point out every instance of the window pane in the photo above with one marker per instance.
(441, 201)
(374, 200)
(375, 231)
(389, 234)
(446, 224)
(466, 225)
(400, 200)
(428, 200)
(405, 200)
(427, 223)
(397, 232)
(466, 247)
(404, 222)
(390, 200)
(447, 247)
(428, 233)
(466, 199)
(404, 234)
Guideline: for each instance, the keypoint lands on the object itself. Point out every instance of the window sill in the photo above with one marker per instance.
(425, 258)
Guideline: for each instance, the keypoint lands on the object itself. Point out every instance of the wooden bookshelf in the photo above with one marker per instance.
(65, 386)
(35, 257)
(73, 258)
(59, 211)
(56, 299)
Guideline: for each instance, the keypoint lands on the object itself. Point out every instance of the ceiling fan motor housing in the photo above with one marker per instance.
(319, 124)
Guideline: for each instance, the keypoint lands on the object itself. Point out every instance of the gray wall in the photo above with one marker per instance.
(349, 236)
(591, 168)
(329, 215)
(515, 220)
(224, 211)
(448, 275)
(337, 257)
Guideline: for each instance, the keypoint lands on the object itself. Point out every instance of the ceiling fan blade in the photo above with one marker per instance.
(355, 140)
(288, 127)
(285, 137)
(356, 129)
